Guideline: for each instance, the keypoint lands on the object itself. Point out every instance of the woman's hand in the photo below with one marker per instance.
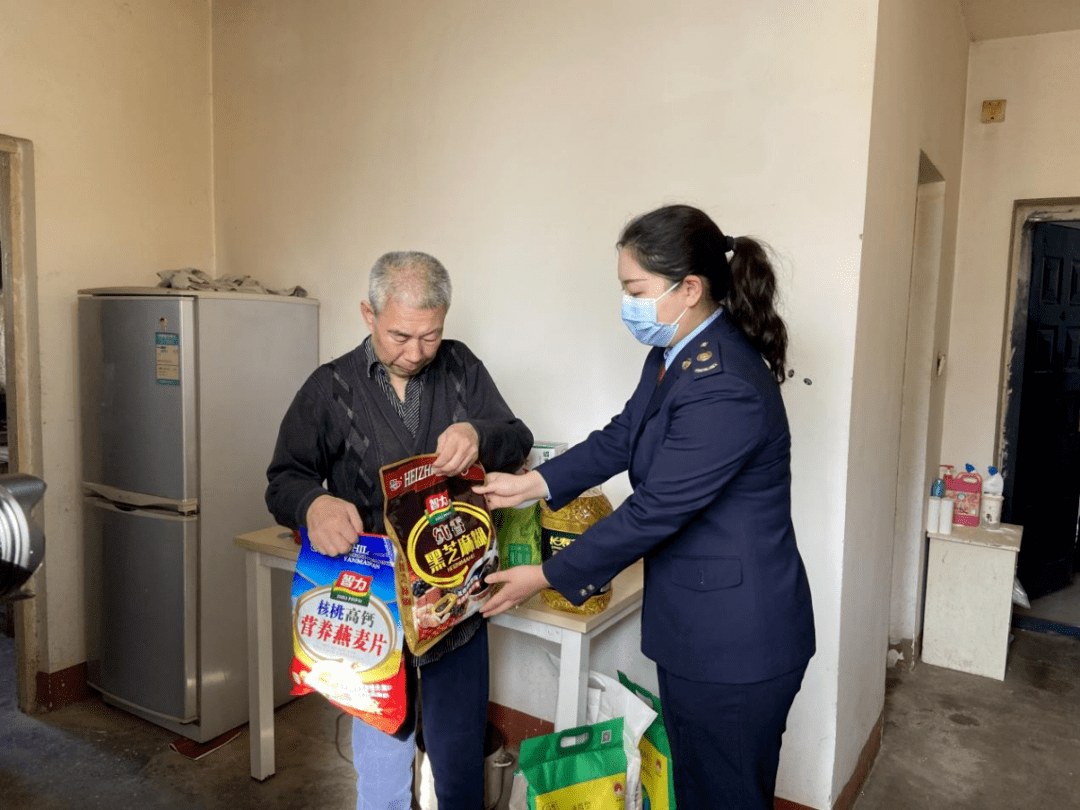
(503, 489)
(521, 582)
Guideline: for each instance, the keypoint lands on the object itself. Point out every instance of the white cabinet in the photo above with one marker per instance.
(969, 583)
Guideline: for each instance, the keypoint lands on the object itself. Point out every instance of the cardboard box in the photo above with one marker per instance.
(542, 451)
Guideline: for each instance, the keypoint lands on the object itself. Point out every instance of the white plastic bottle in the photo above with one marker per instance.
(993, 484)
(992, 499)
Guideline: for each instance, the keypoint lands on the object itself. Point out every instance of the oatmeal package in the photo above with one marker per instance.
(446, 546)
(347, 636)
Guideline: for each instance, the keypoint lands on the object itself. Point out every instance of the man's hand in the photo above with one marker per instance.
(503, 489)
(458, 447)
(522, 581)
(333, 525)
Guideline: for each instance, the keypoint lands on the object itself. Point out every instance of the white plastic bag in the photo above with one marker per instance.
(607, 698)
(1019, 596)
(519, 790)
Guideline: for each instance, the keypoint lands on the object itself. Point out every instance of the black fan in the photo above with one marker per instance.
(22, 542)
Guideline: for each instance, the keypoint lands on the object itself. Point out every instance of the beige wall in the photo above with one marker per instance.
(1031, 155)
(116, 100)
(918, 107)
(513, 141)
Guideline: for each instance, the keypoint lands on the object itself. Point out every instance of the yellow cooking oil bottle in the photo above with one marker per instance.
(560, 528)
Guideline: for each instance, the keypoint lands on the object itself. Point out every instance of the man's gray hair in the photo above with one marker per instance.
(413, 278)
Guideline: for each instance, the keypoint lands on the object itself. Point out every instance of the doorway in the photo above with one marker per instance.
(21, 381)
(922, 406)
(1040, 437)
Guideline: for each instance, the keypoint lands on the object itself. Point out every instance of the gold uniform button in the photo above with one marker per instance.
(686, 364)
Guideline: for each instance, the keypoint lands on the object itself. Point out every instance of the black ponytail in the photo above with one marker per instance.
(678, 240)
(750, 304)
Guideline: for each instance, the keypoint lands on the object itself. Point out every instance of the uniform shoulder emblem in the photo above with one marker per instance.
(705, 359)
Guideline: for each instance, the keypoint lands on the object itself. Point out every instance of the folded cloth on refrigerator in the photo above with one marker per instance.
(189, 278)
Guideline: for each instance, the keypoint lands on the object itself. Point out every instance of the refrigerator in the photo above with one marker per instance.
(182, 394)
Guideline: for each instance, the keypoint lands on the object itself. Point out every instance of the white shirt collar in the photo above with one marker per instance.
(671, 352)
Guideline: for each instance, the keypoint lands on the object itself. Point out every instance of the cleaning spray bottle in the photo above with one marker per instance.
(992, 498)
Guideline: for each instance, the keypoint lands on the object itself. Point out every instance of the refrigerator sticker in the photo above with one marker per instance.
(168, 358)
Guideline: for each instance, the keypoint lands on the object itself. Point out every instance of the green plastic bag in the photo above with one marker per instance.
(576, 768)
(518, 532)
(657, 786)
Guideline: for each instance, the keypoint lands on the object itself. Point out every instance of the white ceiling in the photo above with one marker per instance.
(996, 19)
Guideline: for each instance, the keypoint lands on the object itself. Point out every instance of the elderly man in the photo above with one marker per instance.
(402, 392)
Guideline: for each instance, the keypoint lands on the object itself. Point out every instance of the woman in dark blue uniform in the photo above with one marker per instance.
(727, 615)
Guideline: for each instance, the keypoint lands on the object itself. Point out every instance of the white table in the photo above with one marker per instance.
(274, 547)
(266, 549)
(969, 584)
(574, 633)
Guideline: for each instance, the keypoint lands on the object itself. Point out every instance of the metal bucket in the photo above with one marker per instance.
(499, 765)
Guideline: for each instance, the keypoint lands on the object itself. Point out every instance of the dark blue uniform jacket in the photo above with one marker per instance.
(708, 453)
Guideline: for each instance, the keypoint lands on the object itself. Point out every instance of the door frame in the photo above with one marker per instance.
(18, 263)
(1026, 214)
(920, 415)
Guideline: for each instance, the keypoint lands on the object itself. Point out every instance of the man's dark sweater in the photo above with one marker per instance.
(341, 428)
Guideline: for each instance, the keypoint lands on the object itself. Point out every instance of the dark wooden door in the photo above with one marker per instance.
(1043, 490)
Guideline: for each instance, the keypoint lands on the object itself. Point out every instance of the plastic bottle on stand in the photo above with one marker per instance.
(994, 483)
(993, 487)
(937, 489)
(933, 505)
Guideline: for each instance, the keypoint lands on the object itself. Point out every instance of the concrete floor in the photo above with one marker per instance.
(92, 756)
(1061, 607)
(952, 741)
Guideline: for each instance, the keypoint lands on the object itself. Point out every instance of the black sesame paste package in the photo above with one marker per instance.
(347, 636)
(446, 547)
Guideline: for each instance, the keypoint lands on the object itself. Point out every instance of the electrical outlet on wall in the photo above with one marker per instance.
(993, 112)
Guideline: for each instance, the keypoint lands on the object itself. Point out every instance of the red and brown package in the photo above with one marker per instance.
(446, 546)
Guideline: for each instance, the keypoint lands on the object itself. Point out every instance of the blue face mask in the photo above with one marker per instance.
(639, 315)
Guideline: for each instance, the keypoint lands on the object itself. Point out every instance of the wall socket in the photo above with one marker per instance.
(993, 112)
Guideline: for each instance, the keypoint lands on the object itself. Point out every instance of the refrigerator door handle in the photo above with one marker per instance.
(125, 499)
